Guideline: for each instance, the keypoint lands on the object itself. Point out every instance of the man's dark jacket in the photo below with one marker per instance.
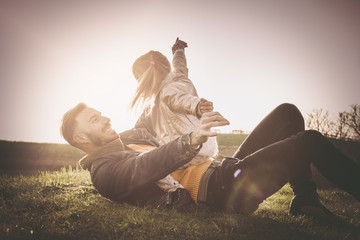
(125, 175)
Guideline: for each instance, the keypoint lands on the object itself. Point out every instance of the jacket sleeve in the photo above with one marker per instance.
(179, 62)
(117, 176)
(138, 136)
(180, 96)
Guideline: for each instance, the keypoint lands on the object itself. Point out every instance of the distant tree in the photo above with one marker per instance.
(351, 121)
(342, 130)
(319, 120)
(347, 125)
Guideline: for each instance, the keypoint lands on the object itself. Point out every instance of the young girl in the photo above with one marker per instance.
(173, 106)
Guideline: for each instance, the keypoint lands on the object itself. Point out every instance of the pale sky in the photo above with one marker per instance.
(247, 56)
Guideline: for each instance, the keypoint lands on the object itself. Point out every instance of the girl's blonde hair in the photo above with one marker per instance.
(150, 70)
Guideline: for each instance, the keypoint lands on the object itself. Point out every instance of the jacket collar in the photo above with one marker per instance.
(114, 146)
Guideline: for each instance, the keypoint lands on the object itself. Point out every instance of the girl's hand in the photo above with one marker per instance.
(204, 106)
(179, 44)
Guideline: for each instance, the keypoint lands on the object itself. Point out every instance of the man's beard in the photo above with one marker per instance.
(97, 141)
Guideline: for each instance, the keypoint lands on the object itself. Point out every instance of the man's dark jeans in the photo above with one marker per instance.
(278, 151)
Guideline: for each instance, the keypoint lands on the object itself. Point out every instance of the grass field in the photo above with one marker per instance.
(64, 205)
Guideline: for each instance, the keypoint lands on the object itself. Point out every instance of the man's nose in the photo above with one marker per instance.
(105, 119)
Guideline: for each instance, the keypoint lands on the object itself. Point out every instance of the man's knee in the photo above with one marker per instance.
(314, 133)
(294, 113)
(290, 108)
(311, 137)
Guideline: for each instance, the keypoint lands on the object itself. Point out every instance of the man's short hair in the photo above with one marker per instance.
(69, 123)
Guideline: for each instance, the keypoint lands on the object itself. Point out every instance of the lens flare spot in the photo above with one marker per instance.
(236, 173)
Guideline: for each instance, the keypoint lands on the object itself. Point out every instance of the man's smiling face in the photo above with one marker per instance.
(91, 126)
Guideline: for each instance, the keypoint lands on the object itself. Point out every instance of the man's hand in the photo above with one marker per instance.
(204, 106)
(178, 45)
(203, 132)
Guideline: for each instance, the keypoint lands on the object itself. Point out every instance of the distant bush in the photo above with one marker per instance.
(229, 139)
(53, 156)
(42, 156)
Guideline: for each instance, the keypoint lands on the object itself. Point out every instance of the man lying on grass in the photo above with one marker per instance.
(277, 151)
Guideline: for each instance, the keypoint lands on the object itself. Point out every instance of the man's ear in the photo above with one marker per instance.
(80, 138)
